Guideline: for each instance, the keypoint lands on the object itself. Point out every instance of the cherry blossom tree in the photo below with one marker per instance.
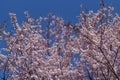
(4, 71)
(47, 48)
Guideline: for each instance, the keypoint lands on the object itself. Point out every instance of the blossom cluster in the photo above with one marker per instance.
(50, 49)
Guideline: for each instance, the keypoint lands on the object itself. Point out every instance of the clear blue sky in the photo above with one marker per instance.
(68, 9)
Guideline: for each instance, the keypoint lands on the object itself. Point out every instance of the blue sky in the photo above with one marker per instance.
(68, 9)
